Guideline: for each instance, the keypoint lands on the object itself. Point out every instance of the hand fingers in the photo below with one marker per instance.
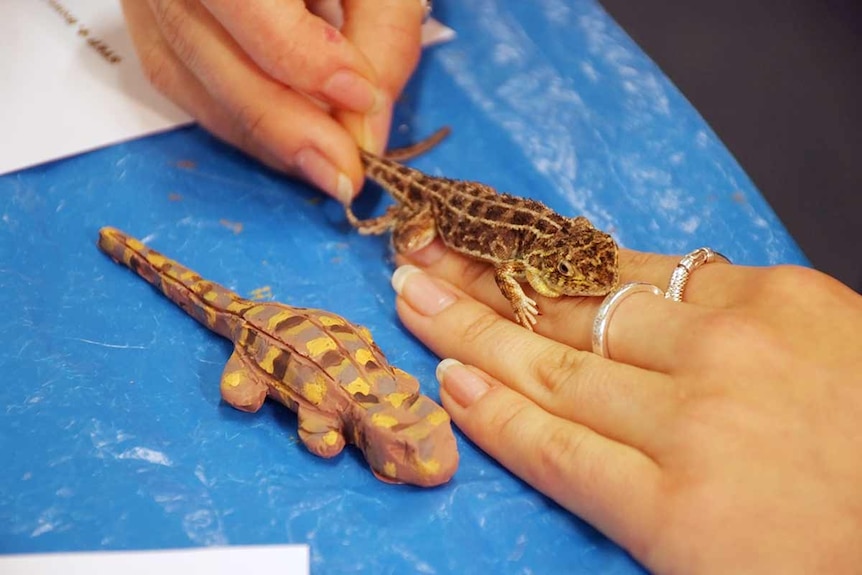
(619, 401)
(262, 112)
(608, 484)
(301, 50)
(388, 32)
(570, 319)
(174, 80)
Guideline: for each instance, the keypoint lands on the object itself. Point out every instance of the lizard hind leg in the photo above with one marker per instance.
(241, 386)
(374, 226)
(415, 231)
(321, 433)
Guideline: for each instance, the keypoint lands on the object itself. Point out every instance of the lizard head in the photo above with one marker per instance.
(408, 438)
(580, 260)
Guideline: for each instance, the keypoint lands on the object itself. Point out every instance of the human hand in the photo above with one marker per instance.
(722, 437)
(281, 83)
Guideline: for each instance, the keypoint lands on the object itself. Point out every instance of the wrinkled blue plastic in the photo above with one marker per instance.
(112, 432)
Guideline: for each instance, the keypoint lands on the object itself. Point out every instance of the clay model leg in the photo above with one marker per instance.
(321, 433)
(414, 231)
(524, 307)
(241, 386)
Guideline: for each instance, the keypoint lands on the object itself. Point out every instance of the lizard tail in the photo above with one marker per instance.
(215, 306)
(408, 152)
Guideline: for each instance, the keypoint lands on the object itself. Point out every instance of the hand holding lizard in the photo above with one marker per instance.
(280, 82)
(722, 437)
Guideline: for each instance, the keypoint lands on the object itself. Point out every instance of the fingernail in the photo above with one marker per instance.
(430, 254)
(320, 172)
(463, 385)
(421, 291)
(375, 129)
(349, 90)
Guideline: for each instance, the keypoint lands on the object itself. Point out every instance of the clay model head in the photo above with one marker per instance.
(407, 438)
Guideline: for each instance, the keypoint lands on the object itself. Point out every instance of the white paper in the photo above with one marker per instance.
(259, 560)
(61, 94)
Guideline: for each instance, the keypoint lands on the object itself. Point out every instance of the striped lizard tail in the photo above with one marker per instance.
(381, 170)
(215, 306)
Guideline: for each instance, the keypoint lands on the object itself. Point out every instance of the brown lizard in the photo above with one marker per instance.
(326, 369)
(522, 238)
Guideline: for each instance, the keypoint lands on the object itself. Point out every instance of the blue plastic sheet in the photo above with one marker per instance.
(113, 435)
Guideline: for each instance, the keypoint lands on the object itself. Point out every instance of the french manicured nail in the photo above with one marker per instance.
(351, 91)
(430, 254)
(420, 291)
(463, 385)
(324, 175)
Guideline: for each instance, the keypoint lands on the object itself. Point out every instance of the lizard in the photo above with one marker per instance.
(522, 238)
(320, 365)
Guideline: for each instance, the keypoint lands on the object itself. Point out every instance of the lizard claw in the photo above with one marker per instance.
(526, 312)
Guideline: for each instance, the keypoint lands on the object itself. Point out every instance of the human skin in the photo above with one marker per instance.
(723, 436)
(281, 83)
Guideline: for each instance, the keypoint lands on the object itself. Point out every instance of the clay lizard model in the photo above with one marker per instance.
(326, 369)
(522, 238)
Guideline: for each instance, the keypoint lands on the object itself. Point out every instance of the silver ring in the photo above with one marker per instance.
(686, 266)
(606, 311)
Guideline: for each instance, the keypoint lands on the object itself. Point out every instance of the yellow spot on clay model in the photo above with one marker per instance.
(135, 245)
(157, 260)
(429, 467)
(314, 391)
(210, 315)
(382, 420)
(363, 331)
(211, 295)
(320, 345)
(397, 398)
(330, 437)
(438, 417)
(232, 379)
(269, 358)
(358, 385)
(236, 305)
(389, 469)
(330, 321)
(364, 355)
(272, 322)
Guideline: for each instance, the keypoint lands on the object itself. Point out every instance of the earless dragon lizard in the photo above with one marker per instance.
(522, 238)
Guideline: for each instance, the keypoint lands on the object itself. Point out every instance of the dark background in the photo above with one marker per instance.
(781, 84)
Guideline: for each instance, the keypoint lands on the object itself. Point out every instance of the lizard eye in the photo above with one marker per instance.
(565, 268)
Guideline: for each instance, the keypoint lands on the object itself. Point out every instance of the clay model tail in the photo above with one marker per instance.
(216, 307)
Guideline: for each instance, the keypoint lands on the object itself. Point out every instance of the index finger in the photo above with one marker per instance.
(389, 34)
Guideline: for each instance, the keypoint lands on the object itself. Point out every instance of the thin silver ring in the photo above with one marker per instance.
(685, 267)
(606, 312)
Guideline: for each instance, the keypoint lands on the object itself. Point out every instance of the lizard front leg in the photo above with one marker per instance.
(525, 308)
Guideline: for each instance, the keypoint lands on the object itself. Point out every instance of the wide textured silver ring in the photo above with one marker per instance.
(685, 267)
(609, 306)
